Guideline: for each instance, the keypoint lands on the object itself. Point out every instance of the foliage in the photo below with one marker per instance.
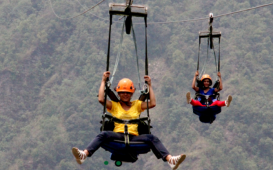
(50, 72)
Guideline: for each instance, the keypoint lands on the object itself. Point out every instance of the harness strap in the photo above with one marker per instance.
(198, 53)
(146, 47)
(107, 69)
(112, 96)
(123, 121)
(219, 56)
(146, 72)
(207, 97)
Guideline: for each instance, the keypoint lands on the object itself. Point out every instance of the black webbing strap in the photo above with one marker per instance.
(112, 95)
(146, 71)
(107, 69)
(109, 43)
(123, 121)
(219, 56)
(146, 47)
(145, 96)
(198, 53)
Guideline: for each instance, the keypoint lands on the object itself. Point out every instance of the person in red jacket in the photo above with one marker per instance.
(207, 90)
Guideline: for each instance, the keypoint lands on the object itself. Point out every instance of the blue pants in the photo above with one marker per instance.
(157, 147)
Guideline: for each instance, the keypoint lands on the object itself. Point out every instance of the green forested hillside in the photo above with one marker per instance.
(50, 72)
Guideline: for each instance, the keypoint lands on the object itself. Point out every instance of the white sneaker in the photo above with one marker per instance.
(229, 99)
(79, 155)
(188, 95)
(175, 161)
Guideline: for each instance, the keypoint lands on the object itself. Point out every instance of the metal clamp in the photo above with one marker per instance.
(108, 84)
(145, 88)
(210, 18)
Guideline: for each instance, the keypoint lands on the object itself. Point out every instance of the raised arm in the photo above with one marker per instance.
(194, 82)
(101, 91)
(221, 84)
(152, 102)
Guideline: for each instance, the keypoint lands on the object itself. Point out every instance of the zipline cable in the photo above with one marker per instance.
(76, 15)
(260, 6)
(189, 20)
(85, 7)
(167, 22)
(200, 19)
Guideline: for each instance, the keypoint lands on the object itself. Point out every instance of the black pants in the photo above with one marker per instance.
(157, 147)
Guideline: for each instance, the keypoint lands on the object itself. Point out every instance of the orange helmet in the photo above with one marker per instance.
(125, 85)
(206, 76)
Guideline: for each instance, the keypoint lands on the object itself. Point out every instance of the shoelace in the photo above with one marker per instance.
(81, 155)
(173, 160)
